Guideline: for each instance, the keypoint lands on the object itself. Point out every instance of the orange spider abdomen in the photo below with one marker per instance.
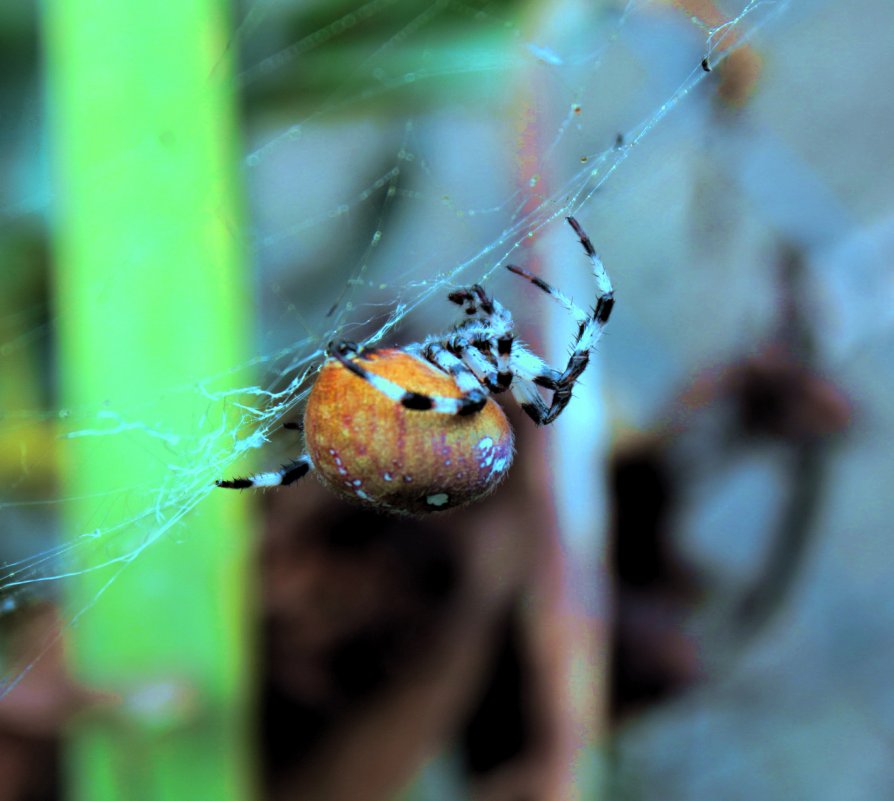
(369, 448)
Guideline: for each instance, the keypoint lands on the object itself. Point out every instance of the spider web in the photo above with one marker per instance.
(435, 143)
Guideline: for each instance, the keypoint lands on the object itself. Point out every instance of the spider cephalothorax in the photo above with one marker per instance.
(415, 429)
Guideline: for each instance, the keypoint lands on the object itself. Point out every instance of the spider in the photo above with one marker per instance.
(415, 429)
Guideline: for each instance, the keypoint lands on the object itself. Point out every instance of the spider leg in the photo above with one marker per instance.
(468, 366)
(466, 377)
(530, 367)
(472, 298)
(495, 370)
(530, 372)
(527, 396)
(489, 327)
(288, 474)
(469, 402)
(605, 296)
(590, 326)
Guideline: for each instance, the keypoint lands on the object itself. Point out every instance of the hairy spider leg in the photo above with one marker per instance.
(288, 474)
(476, 349)
(590, 328)
(530, 371)
(474, 299)
(491, 330)
(469, 348)
(469, 402)
(466, 378)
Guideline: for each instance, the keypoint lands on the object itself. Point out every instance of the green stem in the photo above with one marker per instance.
(150, 286)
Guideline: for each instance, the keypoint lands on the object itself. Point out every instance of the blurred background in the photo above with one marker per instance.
(683, 589)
